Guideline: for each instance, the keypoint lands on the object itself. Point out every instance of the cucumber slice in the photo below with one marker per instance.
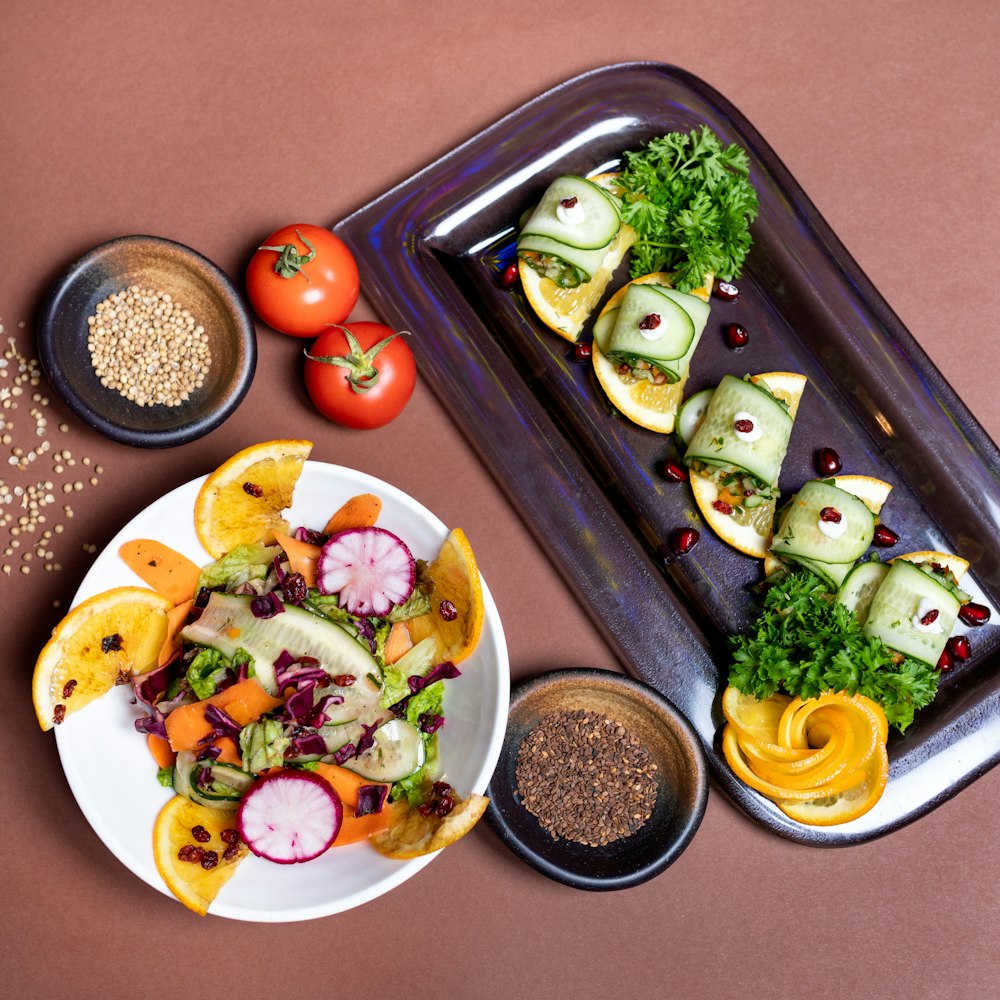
(591, 223)
(228, 624)
(691, 414)
(603, 328)
(717, 444)
(397, 753)
(337, 736)
(229, 783)
(832, 574)
(906, 595)
(859, 587)
(360, 697)
(804, 534)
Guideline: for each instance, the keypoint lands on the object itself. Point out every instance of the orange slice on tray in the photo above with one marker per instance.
(748, 531)
(651, 406)
(195, 879)
(453, 585)
(821, 760)
(242, 501)
(565, 310)
(101, 642)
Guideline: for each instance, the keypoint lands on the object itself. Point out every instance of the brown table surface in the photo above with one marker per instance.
(212, 124)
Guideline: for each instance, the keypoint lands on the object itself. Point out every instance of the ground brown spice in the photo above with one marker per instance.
(586, 778)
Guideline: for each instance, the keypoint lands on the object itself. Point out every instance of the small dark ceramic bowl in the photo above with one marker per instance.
(682, 779)
(194, 282)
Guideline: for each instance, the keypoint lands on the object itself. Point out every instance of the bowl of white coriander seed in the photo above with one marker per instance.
(147, 341)
(601, 782)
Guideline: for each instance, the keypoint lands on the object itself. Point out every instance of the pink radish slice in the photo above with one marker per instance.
(289, 817)
(370, 569)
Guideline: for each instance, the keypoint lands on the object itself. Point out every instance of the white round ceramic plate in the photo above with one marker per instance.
(114, 778)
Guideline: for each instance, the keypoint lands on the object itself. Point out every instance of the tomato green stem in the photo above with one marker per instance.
(290, 261)
(361, 371)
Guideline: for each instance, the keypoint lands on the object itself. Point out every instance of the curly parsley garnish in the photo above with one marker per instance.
(691, 202)
(806, 643)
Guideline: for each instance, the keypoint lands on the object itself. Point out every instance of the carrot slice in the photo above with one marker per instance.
(176, 617)
(161, 751)
(346, 784)
(397, 642)
(165, 570)
(229, 751)
(361, 511)
(246, 701)
(301, 556)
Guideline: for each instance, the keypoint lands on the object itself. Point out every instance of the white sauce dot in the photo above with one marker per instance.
(832, 529)
(923, 608)
(573, 215)
(755, 434)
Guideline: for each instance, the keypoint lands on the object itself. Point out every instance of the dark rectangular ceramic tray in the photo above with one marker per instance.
(585, 479)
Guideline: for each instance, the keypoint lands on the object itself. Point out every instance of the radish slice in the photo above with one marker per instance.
(290, 817)
(369, 568)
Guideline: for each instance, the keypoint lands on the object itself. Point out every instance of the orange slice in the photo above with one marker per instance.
(651, 406)
(101, 642)
(453, 584)
(411, 835)
(242, 501)
(956, 564)
(752, 535)
(845, 805)
(193, 884)
(565, 310)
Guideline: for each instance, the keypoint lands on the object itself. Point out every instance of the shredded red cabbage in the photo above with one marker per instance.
(305, 670)
(367, 740)
(428, 722)
(299, 705)
(310, 536)
(152, 686)
(345, 753)
(319, 717)
(367, 632)
(266, 605)
(307, 745)
(443, 671)
(152, 724)
(371, 799)
(222, 723)
(210, 752)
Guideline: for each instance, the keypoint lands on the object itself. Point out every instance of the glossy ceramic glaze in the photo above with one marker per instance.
(196, 283)
(586, 480)
(682, 780)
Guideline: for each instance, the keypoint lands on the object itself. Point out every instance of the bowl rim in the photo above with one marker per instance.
(169, 437)
(692, 746)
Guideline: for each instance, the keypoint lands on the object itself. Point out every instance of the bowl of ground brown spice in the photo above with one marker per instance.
(147, 341)
(601, 783)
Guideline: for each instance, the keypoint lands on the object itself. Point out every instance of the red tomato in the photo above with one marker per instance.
(301, 279)
(365, 384)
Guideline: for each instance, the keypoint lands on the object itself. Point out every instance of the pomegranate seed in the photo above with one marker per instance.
(448, 611)
(931, 617)
(210, 860)
(253, 490)
(650, 322)
(111, 643)
(68, 688)
(684, 540)
(828, 462)
(581, 353)
(945, 661)
(726, 291)
(508, 277)
(344, 680)
(736, 335)
(959, 647)
(974, 614)
(568, 202)
(675, 472)
(426, 809)
(201, 834)
(58, 714)
(722, 507)
(230, 836)
(230, 852)
(191, 852)
(830, 514)
(884, 537)
(743, 426)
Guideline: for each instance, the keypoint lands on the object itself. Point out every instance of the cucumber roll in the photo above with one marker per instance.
(914, 611)
(567, 236)
(744, 433)
(653, 333)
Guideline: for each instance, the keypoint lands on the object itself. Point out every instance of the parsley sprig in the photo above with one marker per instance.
(806, 643)
(691, 201)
